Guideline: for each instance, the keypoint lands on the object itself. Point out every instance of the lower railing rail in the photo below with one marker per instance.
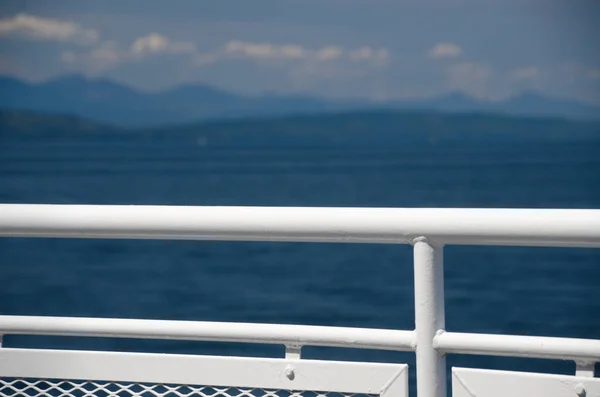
(305, 335)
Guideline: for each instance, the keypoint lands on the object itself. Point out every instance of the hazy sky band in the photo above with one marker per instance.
(361, 49)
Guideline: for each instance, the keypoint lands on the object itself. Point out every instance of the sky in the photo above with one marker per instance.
(370, 49)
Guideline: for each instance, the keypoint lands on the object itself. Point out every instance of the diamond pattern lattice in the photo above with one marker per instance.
(62, 388)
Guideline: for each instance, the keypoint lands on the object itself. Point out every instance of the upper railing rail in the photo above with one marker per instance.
(509, 227)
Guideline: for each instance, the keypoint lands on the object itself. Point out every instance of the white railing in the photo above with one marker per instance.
(428, 230)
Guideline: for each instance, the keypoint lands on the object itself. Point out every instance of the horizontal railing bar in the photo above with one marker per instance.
(303, 335)
(518, 346)
(299, 335)
(514, 227)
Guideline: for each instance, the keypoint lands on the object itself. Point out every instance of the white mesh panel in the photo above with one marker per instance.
(59, 388)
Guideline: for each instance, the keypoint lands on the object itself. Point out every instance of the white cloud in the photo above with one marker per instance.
(107, 53)
(272, 51)
(362, 53)
(153, 42)
(329, 53)
(445, 50)
(156, 42)
(253, 50)
(46, 29)
(528, 73)
(378, 56)
(293, 51)
(269, 51)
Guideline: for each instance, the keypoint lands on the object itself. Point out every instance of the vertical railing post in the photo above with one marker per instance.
(584, 368)
(429, 317)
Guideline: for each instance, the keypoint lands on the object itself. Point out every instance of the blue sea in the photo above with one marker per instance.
(521, 291)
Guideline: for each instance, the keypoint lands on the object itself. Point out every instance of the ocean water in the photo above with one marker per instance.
(522, 291)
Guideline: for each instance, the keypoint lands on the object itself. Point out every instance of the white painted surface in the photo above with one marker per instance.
(518, 346)
(427, 229)
(388, 380)
(468, 382)
(211, 331)
(519, 227)
(429, 318)
(585, 368)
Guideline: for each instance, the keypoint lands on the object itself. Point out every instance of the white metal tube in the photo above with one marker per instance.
(519, 227)
(296, 335)
(519, 346)
(429, 318)
(584, 368)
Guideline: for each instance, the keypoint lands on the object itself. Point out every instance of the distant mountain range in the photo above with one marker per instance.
(105, 101)
(383, 129)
